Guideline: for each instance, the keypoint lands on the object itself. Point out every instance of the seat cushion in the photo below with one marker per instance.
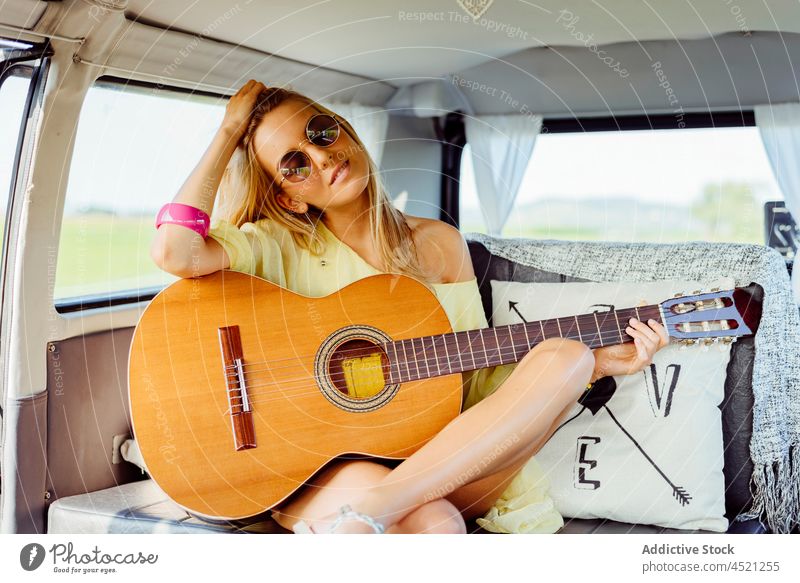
(599, 526)
(142, 508)
(138, 507)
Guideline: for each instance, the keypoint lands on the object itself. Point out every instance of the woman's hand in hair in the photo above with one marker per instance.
(240, 108)
(629, 358)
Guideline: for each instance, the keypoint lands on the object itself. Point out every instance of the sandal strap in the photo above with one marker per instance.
(346, 512)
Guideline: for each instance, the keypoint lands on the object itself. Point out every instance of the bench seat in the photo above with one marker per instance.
(142, 508)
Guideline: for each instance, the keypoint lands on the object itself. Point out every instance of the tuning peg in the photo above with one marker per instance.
(678, 295)
(697, 291)
(714, 289)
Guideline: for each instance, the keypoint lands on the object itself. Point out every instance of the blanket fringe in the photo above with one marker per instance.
(776, 499)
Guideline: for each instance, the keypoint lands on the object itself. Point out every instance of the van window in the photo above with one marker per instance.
(14, 87)
(677, 185)
(134, 148)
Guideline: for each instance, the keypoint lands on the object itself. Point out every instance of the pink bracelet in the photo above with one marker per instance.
(185, 215)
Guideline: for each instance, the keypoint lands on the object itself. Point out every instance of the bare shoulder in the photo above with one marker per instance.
(443, 251)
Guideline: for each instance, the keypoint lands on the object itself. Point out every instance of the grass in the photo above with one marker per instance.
(103, 253)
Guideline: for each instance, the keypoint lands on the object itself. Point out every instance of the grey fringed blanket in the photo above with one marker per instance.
(775, 442)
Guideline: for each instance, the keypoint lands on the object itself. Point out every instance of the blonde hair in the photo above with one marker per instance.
(248, 194)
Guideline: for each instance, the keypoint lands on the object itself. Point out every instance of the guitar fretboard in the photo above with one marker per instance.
(430, 356)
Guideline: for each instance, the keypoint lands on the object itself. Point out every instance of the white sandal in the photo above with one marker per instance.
(345, 513)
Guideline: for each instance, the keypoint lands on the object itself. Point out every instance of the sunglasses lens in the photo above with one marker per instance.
(322, 130)
(295, 166)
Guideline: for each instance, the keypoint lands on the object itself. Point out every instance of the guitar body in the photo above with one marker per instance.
(183, 385)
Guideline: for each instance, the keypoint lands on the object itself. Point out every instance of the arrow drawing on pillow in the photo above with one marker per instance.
(512, 307)
(680, 494)
(597, 399)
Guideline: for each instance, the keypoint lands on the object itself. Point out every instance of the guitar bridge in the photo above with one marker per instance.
(244, 434)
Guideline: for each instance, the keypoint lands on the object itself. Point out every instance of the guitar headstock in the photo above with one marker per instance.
(713, 316)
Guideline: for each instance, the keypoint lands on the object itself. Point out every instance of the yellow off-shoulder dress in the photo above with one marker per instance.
(266, 249)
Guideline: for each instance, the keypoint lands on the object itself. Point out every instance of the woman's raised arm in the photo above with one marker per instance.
(181, 251)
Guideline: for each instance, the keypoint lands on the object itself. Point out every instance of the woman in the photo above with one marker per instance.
(298, 186)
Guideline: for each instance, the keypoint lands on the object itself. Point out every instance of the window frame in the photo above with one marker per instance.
(35, 62)
(5, 74)
(132, 296)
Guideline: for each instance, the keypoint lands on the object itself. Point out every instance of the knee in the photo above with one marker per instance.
(437, 517)
(566, 352)
(357, 473)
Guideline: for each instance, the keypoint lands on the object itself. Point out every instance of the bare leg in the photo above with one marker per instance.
(475, 499)
(340, 482)
(492, 436)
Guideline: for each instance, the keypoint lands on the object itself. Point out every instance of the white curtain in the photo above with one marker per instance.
(370, 123)
(501, 148)
(780, 131)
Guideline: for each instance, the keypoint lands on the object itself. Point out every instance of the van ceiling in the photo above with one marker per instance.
(404, 42)
(558, 58)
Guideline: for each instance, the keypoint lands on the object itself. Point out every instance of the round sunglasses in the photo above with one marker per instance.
(321, 130)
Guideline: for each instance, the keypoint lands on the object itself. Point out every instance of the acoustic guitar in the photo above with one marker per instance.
(241, 390)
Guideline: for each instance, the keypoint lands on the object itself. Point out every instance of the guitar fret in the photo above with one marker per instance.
(497, 341)
(422, 341)
(447, 353)
(527, 340)
(541, 325)
(458, 350)
(416, 362)
(513, 344)
(436, 356)
(638, 317)
(618, 328)
(560, 333)
(471, 352)
(578, 326)
(392, 362)
(485, 352)
(596, 323)
(405, 358)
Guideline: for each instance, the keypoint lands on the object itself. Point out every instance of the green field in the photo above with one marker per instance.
(105, 253)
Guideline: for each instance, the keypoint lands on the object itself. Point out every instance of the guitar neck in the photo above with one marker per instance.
(430, 356)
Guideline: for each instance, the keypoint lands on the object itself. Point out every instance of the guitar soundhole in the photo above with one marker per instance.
(359, 369)
(352, 369)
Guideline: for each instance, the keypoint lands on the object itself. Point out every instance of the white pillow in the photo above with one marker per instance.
(645, 456)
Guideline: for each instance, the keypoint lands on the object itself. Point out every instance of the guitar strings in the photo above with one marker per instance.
(303, 382)
(550, 323)
(589, 318)
(428, 361)
(248, 367)
(303, 390)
